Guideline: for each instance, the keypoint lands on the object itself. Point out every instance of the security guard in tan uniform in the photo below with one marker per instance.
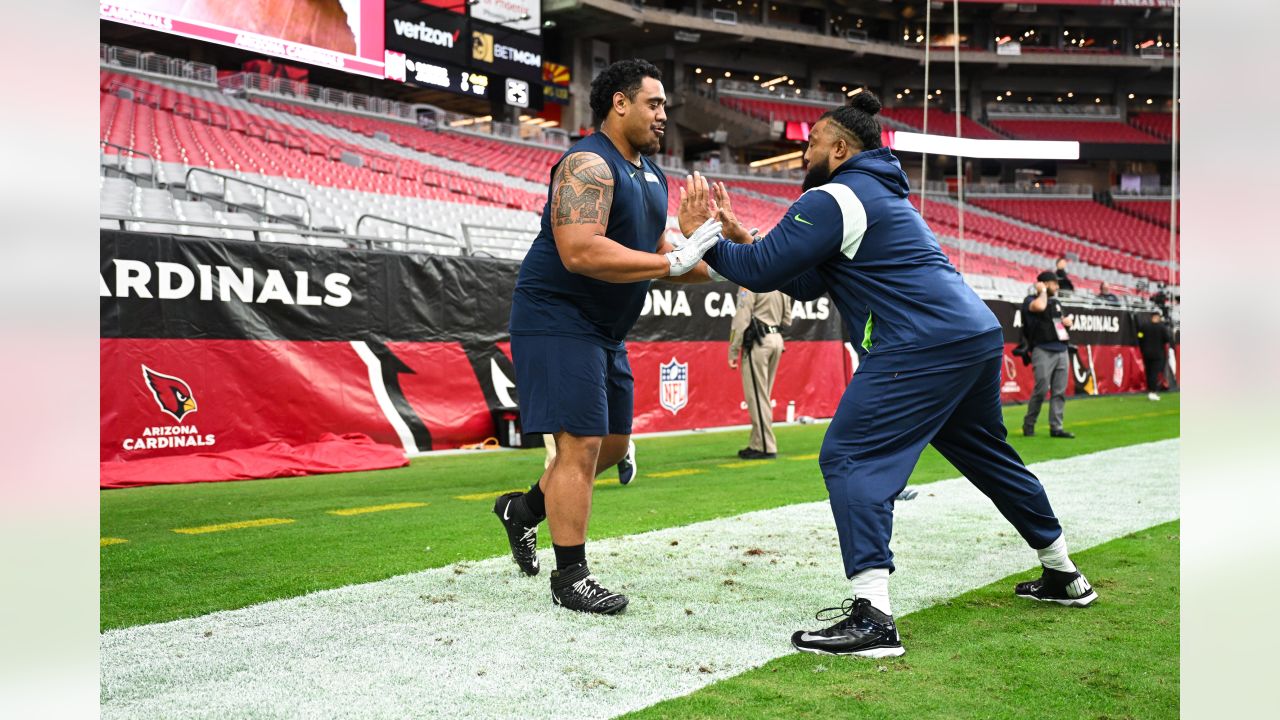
(755, 336)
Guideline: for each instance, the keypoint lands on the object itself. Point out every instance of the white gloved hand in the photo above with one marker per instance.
(715, 276)
(691, 251)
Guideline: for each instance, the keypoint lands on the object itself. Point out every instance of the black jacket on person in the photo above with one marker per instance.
(1152, 338)
(1064, 282)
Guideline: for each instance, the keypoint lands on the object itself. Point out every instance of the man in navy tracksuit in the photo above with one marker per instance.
(930, 353)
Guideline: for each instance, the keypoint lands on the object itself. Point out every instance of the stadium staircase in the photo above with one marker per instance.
(705, 116)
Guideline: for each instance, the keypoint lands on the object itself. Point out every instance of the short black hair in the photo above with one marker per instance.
(624, 76)
(859, 119)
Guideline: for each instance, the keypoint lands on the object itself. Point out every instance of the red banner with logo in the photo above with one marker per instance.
(227, 360)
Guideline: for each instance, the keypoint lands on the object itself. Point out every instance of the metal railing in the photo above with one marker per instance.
(206, 114)
(352, 240)
(438, 119)
(157, 64)
(120, 166)
(1071, 190)
(488, 239)
(267, 191)
(1051, 111)
(409, 227)
(330, 97)
(746, 172)
(781, 92)
(1157, 192)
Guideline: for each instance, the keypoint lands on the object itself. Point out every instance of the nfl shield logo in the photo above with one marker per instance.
(673, 387)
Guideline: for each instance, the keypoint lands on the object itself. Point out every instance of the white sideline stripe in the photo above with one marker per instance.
(477, 640)
(384, 399)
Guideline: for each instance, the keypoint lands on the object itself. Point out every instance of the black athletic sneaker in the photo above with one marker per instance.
(577, 589)
(627, 466)
(1065, 588)
(862, 631)
(522, 536)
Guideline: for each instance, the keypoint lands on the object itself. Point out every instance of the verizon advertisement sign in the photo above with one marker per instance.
(423, 31)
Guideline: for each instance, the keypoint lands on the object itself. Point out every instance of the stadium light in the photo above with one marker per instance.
(854, 91)
(985, 149)
(775, 81)
(777, 159)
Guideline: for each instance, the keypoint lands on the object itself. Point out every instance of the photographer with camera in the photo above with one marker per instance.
(755, 336)
(1046, 333)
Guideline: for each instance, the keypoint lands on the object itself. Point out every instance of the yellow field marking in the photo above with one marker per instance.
(103, 542)
(675, 473)
(810, 456)
(735, 466)
(261, 522)
(609, 481)
(487, 495)
(377, 508)
(1122, 418)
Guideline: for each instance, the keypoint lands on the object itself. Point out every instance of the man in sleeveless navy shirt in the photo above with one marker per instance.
(580, 290)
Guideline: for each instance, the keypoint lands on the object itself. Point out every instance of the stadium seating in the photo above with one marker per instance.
(175, 127)
(518, 159)
(1085, 131)
(775, 110)
(1088, 220)
(438, 180)
(1158, 124)
(941, 122)
(999, 232)
(1153, 211)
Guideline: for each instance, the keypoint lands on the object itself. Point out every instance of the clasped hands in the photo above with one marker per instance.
(705, 214)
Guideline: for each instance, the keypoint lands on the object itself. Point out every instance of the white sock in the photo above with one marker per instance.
(873, 584)
(1055, 556)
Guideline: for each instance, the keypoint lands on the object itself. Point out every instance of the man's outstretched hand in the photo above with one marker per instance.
(690, 252)
(724, 213)
(696, 204)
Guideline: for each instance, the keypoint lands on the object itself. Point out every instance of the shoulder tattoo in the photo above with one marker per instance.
(582, 191)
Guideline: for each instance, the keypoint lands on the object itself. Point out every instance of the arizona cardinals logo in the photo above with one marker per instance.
(172, 394)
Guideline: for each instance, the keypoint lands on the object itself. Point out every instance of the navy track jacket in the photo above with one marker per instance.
(859, 238)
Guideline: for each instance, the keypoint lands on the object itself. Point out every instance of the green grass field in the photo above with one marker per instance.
(158, 574)
(987, 654)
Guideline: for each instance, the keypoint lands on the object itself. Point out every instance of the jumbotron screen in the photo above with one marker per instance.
(340, 34)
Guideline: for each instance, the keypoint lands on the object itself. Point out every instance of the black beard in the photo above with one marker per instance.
(818, 174)
(651, 149)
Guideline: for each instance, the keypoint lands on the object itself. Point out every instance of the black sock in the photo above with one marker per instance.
(567, 555)
(535, 502)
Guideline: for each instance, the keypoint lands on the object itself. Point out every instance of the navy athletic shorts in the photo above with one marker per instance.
(566, 383)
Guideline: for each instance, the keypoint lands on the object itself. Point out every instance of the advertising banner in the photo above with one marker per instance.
(427, 32)
(500, 50)
(343, 35)
(257, 359)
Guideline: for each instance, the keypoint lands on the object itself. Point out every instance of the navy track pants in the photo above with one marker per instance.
(879, 430)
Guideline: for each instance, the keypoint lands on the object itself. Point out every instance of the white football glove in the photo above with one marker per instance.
(690, 252)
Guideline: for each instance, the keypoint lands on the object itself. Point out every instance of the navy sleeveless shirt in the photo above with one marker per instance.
(550, 300)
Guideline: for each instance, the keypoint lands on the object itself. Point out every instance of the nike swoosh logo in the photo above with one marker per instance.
(810, 637)
(632, 173)
(801, 220)
(506, 510)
